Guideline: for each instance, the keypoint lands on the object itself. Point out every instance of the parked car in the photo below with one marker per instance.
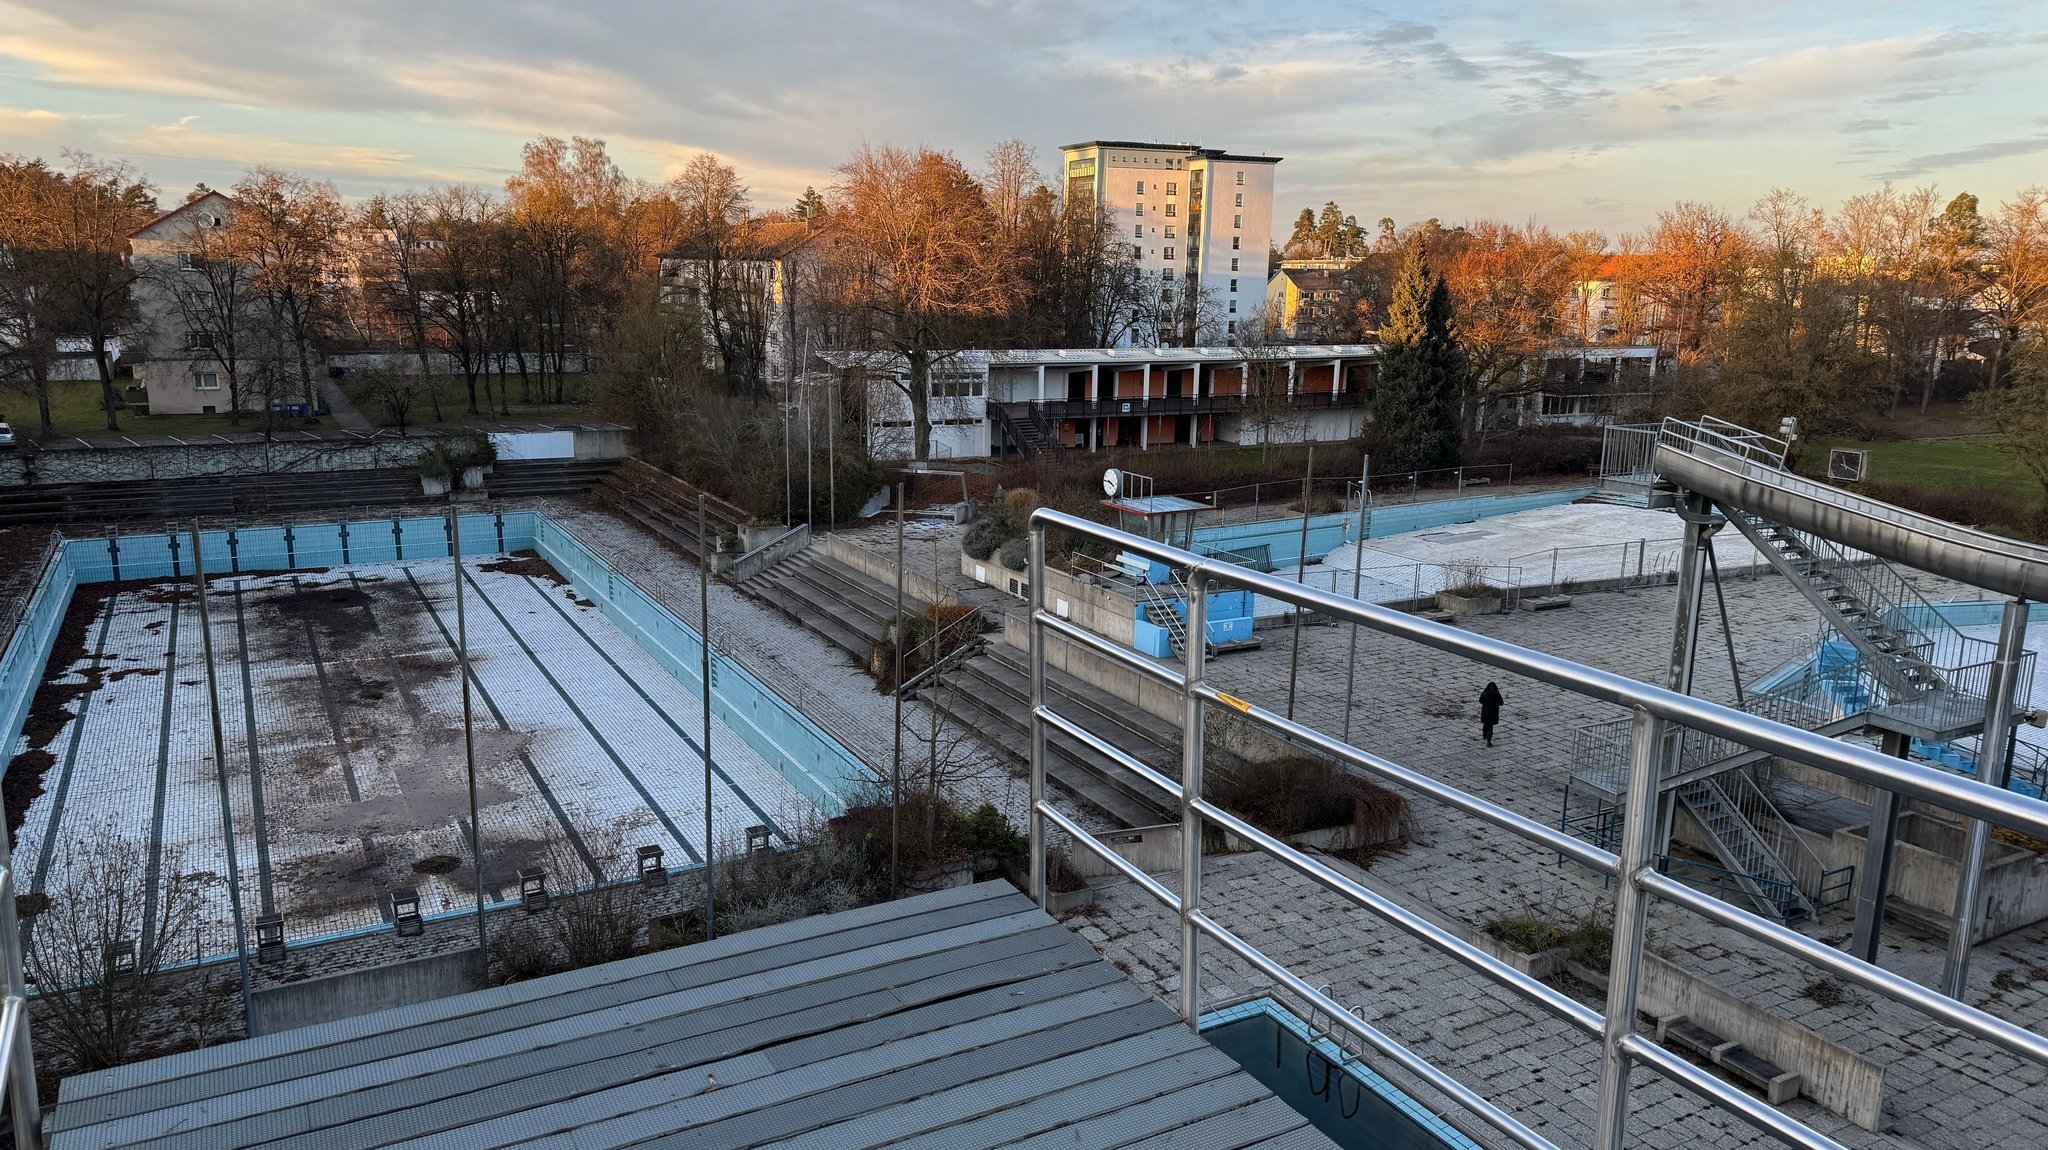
(6, 437)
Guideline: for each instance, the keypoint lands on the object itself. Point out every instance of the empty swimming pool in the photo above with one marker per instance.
(1355, 1107)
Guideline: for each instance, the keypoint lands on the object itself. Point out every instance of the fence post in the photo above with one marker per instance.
(1553, 570)
(1191, 791)
(1033, 598)
(1631, 910)
(1642, 545)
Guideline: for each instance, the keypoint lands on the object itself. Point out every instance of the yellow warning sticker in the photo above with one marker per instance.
(1230, 700)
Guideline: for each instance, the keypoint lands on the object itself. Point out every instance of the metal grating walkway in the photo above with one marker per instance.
(961, 1019)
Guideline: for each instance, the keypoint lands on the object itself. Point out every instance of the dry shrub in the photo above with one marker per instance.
(1992, 510)
(1290, 795)
(1540, 451)
(933, 633)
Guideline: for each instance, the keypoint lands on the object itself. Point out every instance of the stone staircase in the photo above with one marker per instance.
(987, 691)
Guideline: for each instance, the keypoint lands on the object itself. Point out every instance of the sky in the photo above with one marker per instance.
(1576, 113)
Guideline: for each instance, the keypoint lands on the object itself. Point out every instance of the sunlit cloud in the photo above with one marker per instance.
(1580, 112)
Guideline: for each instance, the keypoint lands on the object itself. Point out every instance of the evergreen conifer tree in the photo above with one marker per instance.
(1422, 368)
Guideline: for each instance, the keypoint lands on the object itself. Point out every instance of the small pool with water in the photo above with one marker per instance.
(1346, 1100)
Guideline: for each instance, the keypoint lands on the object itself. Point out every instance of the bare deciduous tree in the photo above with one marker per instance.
(101, 944)
(921, 263)
(287, 230)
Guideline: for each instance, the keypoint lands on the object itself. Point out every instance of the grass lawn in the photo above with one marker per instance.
(1973, 463)
(75, 410)
(453, 394)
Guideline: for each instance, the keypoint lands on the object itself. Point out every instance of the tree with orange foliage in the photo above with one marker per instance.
(562, 214)
(921, 265)
(1513, 287)
(1690, 257)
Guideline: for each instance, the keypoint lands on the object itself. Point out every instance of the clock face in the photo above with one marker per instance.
(1112, 481)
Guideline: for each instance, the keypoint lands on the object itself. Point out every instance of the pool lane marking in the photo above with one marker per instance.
(532, 772)
(328, 703)
(163, 774)
(645, 795)
(266, 895)
(630, 681)
(332, 707)
(49, 845)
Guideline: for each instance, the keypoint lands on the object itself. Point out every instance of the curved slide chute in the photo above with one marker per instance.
(1740, 468)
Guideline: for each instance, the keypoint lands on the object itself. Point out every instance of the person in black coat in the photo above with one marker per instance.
(1489, 710)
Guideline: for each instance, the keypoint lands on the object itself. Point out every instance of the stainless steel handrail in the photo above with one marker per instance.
(1651, 748)
(1728, 470)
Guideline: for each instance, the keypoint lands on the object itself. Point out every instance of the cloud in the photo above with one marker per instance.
(1934, 162)
(184, 139)
(1576, 107)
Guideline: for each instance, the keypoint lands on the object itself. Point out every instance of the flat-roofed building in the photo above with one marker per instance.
(1199, 221)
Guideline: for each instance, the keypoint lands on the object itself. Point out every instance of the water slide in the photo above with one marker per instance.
(1740, 468)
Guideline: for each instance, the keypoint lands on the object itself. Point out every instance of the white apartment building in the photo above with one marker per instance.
(1194, 216)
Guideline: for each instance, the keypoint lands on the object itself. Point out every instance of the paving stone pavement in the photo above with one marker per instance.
(1419, 708)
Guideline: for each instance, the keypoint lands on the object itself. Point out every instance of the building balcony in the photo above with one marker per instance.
(1056, 409)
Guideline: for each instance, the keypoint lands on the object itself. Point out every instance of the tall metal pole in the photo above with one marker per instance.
(1639, 849)
(810, 463)
(1034, 598)
(1994, 755)
(220, 768)
(832, 454)
(476, 828)
(896, 759)
(788, 477)
(1357, 584)
(1300, 574)
(704, 676)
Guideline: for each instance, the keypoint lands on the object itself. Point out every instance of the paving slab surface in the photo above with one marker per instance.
(1421, 709)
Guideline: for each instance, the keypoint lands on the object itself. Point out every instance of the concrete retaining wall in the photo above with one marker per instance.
(883, 571)
(1830, 1074)
(290, 453)
(357, 992)
(1926, 868)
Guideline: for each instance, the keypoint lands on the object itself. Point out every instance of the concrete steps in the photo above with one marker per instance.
(986, 693)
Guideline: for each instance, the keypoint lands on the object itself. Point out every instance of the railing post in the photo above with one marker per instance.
(1191, 790)
(1035, 568)
(1631, 911)
(1994, 748)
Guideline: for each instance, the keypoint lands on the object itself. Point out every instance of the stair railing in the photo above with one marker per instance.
(1754, 804)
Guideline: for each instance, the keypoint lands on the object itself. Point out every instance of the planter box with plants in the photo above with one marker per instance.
(467, 458)
(1471, 599)
(1311, 804)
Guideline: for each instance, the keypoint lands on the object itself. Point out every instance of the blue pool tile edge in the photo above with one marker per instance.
(1450, 1135)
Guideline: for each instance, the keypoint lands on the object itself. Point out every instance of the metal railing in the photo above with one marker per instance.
(1719, 435)
(1634, 867)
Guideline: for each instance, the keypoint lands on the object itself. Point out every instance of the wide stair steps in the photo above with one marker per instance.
(524, 478)
(665, 505)
(987, 692)
(992, 693)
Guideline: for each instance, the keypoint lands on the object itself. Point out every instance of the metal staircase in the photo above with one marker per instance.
(1163, 610)
(1717, 805)
(1861, 596)
(1762, 857)
(1031, 433)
